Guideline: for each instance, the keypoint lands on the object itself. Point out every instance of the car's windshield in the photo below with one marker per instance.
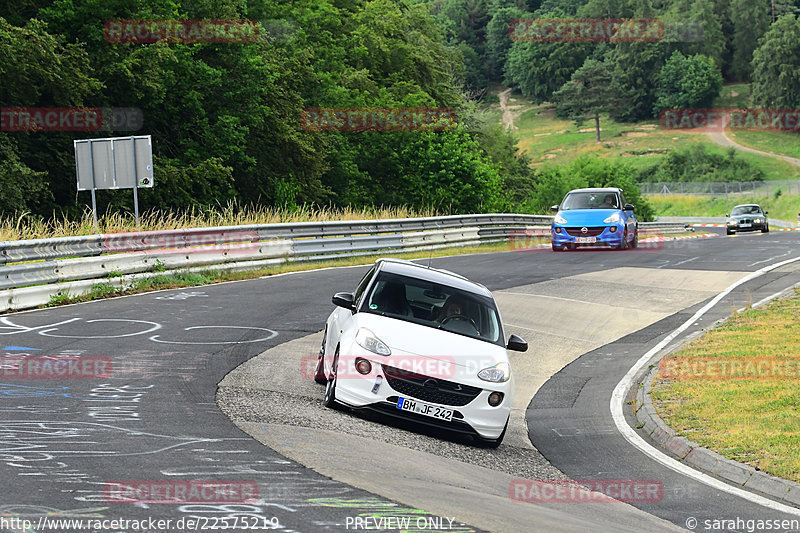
(590, 200)
(746, 210)
(434, 305)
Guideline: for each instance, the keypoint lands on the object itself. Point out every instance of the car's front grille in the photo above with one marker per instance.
(590, 232)
(429, 389)
(745, 221)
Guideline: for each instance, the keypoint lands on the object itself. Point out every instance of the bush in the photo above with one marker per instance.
(696, 163)
(552, 183)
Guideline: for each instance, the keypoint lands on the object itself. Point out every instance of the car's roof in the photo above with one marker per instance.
(747, 205)
(598, 189)
(435, 275)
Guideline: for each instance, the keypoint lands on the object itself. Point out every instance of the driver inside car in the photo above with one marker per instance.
(452, 307)
(609, 202)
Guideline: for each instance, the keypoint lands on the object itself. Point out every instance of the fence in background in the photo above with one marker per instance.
(708, 188)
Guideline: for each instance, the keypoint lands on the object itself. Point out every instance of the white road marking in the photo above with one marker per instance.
(155, 338)
(617, 405)
(155, 326)
(686, 261)
(770, 259)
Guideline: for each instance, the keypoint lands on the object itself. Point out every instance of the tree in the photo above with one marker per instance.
(750, 21)
(540, 69)
(635, 71)
(588, 93)
(498, 41)
(687, 82)
(553, 182)
(776, 65)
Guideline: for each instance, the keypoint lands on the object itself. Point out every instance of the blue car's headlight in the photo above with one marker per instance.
(559, 219)
(613, 219)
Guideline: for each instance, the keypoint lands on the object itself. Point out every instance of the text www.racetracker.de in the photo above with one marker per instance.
(47, 523)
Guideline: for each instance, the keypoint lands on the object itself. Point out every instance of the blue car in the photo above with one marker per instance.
(594, 217)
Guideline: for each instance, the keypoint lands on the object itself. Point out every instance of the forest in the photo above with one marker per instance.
(226, 117)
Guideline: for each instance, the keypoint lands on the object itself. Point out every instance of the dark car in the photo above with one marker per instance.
(747, 217)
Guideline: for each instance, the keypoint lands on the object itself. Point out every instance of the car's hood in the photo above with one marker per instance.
(739, 217)
(586, 217)
(407, 338)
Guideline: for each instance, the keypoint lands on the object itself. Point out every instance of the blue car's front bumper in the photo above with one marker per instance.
(571, 236)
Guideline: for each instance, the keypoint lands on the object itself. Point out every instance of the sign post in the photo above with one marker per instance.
(114, 163)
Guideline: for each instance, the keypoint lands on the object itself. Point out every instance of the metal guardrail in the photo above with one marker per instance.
(48, 264)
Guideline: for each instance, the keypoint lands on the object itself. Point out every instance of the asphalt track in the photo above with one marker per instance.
(155, 418)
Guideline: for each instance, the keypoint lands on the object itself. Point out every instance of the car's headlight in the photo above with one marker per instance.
(613, 219)
(731, 222)
(496, 374)
(367, 340)
(559, 219)
(758, 221)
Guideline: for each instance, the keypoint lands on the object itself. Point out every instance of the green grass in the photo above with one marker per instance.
(734, 95)
(25, 226)
(775, 142)
(547, 139)
(750, 420)
(784, 207)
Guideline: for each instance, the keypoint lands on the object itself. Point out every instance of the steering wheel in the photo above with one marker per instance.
(465, 318)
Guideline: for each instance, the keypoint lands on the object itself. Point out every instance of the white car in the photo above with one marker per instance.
(421, 344)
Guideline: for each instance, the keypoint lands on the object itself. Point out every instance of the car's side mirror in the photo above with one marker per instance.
(629, 207)
(766, 212)
(727, 215)
(554, 208)
(344, 299)
(517, 344)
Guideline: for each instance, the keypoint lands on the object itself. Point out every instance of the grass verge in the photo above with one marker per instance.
(753, 420)
(24, 226)
(206, 277)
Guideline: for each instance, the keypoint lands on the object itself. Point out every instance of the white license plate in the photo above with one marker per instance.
(745, 225)
(585, 240)
(422, 408)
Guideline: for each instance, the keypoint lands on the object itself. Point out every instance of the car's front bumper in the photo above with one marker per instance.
(374, 391)
(606, 235)
(753, 226)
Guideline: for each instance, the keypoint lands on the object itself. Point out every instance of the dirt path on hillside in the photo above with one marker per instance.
(508, 118)
(720, 138)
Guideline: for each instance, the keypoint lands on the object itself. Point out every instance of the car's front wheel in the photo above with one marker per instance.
(765, 229)
(330, 386)
(635, 241)
(319, 370)
(624, 244)
(729, 232)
